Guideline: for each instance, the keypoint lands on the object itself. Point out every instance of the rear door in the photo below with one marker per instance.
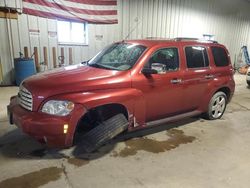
(197, 77)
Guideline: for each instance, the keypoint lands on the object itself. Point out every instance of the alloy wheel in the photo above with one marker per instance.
(218, 107)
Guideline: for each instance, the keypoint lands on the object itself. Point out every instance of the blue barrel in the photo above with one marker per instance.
(24, 67)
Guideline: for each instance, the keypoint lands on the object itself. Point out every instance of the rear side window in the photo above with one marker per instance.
(220, 56)
(196, 57)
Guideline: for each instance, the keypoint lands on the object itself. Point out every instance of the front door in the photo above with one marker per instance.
(162, 92)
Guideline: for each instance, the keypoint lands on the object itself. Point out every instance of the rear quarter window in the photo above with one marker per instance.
(220, 56)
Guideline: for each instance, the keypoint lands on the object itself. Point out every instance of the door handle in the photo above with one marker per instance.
(209, 76)
(175, 81)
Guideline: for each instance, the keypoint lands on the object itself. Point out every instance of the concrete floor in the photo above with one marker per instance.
(193, 153)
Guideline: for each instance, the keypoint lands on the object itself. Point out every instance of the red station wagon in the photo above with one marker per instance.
(130, 85)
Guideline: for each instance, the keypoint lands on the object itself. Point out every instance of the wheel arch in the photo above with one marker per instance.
(99, 113)
(225, 90)
(210, 94)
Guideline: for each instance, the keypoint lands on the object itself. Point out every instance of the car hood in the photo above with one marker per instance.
(75, 78)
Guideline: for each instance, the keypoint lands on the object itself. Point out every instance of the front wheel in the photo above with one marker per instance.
(217, 106)
(102, 133)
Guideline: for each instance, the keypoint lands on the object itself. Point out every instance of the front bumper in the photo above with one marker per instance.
(45, 128)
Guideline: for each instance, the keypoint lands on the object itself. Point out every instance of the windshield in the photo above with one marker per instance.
(118, 56)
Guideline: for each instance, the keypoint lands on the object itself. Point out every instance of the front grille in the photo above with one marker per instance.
(25, 98)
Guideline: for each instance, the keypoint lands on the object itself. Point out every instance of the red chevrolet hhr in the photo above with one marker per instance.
(129, 85)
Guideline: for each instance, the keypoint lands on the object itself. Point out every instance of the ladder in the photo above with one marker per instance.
(246, 55)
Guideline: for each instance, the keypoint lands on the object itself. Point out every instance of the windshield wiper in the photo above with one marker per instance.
(102, 66)
(85, 62)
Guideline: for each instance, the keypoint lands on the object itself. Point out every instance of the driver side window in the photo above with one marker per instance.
(164, 60)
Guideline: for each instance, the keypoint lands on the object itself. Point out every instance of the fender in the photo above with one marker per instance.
(131, 98)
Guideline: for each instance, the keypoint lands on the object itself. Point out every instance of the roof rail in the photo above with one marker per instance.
(156, 38)
(192, 39)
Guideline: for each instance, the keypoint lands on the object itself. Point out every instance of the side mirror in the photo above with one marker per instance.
(156, 68)
(148, 71)
(159, 67)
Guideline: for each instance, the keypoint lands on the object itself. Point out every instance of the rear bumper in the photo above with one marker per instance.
(248, 77)
(43, 127)
(231, 94)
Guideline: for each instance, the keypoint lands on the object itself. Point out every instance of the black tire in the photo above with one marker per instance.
(216, 111)
(248, 82)
(101, 134)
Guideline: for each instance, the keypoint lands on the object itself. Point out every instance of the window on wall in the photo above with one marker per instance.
(196, 57)
(72, 33)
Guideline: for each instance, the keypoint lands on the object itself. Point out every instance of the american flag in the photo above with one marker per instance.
(92, 11)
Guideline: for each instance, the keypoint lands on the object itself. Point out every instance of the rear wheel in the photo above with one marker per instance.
(217, 106)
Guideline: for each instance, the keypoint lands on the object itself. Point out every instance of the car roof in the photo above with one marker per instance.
(149, 42)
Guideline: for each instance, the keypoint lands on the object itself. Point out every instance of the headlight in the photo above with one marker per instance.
(59, 108)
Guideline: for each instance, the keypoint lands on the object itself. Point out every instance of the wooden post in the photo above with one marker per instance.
(62, 56)
(1, 72)
(9, 15)
(70, 56)
(26, 52)
(54, 56)
(45, 54)
(36, 58)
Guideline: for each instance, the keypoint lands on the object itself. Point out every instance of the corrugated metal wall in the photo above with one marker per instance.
(19, 37)
(15, 35)
(228, 20)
